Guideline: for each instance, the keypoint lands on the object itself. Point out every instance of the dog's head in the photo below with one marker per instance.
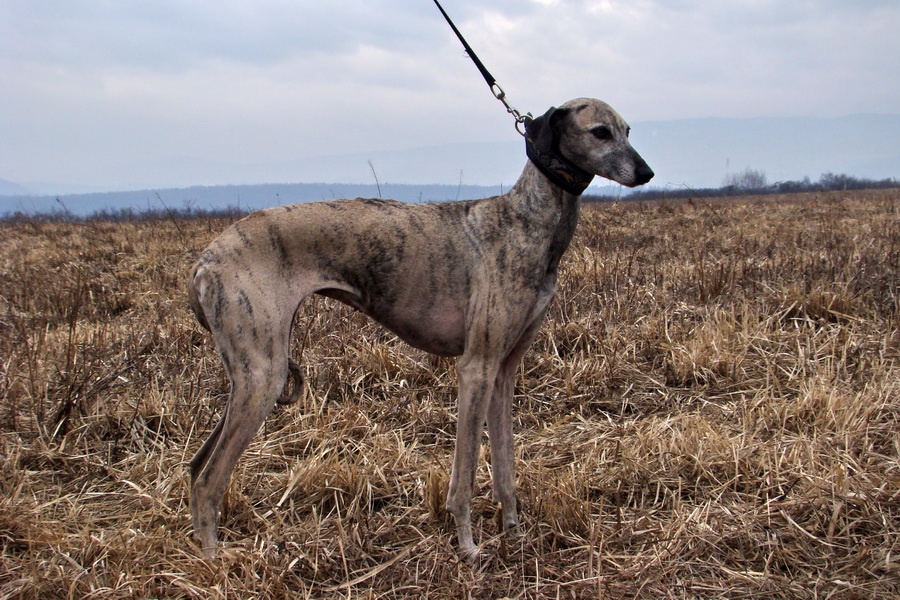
(592, 136)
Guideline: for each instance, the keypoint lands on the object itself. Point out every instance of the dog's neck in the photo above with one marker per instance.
(551, 211)
(558, 169)
(539, 193)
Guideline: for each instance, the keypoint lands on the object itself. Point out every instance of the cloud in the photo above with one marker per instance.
(90, 85)
(693, 58)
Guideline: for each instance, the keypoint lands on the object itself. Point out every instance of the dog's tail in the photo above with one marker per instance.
(299, 384)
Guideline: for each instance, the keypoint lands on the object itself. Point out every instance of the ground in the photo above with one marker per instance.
(710, 411)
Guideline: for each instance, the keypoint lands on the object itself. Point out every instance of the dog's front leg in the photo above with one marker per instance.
(476, 382)
(500, 430)
(499, 421)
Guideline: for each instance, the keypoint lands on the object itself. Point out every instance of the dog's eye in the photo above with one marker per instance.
(628, 132)
(602, 132)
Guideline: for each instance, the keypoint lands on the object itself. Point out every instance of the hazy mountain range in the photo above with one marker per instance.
(693, 153)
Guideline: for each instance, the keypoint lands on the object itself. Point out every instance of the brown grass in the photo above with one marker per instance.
(711, 411)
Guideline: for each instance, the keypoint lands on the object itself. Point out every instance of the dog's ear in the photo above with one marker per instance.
(543, 131)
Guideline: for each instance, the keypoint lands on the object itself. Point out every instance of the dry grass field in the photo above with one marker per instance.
(712, 410)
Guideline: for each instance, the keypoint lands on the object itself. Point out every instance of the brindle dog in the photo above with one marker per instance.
(471, 279)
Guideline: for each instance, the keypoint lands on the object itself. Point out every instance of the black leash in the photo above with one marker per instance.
(542, 151)
(496, 90)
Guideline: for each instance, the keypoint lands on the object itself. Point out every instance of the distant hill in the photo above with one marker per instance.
(692, 153)
(246, 197)
(702, 152)
(8, 188)
(697, 153)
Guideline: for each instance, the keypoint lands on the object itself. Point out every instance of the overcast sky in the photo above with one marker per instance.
(90, 90)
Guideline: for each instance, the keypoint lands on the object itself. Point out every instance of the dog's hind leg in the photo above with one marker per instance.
(256, 385)
(252, 335)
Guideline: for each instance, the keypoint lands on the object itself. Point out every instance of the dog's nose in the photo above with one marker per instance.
(643, 173)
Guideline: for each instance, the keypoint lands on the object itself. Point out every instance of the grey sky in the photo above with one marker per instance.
(90, 88)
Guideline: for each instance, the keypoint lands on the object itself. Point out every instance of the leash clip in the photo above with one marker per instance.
(521, 119)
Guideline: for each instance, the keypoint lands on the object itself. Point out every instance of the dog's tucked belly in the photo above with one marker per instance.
(439, 328)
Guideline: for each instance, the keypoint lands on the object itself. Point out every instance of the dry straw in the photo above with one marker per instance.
(711, 411)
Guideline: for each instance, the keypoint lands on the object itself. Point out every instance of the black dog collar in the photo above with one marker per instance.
(559, 169)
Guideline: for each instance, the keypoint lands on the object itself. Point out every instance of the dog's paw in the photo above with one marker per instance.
(470, 556)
